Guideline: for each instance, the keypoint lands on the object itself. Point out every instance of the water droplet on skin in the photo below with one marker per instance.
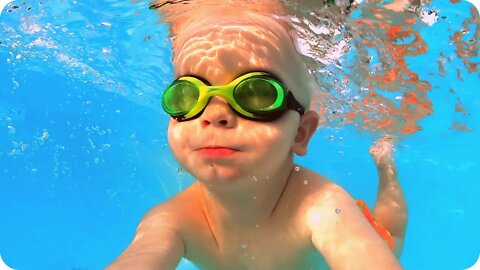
(257, 226)
(305, 182)
(243, 245)
(267, 177)
(254, 178)
(338, 210)
(297, 168)
(253, 257)
(254, 197)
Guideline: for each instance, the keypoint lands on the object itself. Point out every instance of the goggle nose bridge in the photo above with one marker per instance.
(220, 92)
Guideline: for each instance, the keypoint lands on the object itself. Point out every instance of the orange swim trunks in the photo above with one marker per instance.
(382, 231)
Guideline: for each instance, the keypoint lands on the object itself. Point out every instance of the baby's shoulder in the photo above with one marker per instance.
(313, 186)
(317, 193)
(174, 212)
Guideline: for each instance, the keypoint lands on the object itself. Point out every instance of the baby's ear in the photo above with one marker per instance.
(308, 125)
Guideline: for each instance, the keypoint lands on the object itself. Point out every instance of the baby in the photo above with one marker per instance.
(240, 112)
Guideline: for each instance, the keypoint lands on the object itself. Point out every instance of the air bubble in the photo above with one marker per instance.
(342, 3)
(297, 168)
(11, 130)
(45, 135)
(107, 24)
(338, 210)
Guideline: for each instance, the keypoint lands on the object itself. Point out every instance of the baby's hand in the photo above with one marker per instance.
(382, 151)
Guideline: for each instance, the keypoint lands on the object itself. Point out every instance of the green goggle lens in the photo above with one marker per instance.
(180, 98)
(255, 94)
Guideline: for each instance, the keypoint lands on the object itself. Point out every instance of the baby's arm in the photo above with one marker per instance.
(157, 245)
(343, 236)
(390, 207)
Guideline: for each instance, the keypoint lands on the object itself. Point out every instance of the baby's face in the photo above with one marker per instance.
(220, 48)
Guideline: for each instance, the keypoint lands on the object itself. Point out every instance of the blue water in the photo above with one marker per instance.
(83, 151)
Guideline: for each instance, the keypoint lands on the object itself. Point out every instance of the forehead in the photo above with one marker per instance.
(220, 44)
(220, 47)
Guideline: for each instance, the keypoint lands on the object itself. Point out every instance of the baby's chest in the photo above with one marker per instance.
(275, 249)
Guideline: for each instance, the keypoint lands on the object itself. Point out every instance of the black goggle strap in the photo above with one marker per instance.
(293, 104)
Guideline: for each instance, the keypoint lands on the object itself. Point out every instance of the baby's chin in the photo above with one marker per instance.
(220, 175)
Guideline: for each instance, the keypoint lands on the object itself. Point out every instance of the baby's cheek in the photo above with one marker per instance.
(284, 134)
(174, 132)
(277, 142)
(176, 140)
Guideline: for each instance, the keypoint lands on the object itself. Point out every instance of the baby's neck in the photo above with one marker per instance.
(235, 210)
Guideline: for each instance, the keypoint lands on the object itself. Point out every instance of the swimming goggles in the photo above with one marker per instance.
(256, 96)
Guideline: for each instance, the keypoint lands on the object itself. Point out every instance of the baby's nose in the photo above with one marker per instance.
(218, 113)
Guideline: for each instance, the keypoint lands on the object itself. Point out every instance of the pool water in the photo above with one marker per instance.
(83, 150)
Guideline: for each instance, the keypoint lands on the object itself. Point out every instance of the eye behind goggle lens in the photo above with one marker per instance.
(181, 97)
(256, 94)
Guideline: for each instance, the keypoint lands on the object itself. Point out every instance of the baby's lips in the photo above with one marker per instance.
(218, 147)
